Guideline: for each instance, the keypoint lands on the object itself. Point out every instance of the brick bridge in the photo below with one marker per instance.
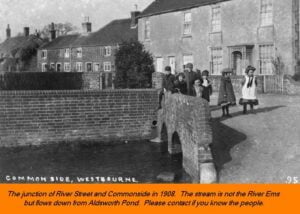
(184, 123)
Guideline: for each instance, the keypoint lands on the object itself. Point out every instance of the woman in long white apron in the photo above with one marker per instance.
(249, 90)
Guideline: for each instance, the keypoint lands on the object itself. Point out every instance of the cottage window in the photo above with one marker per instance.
(67, 67)
(58, 67)
(266, 56)
(187, 25)
(79, 66)
(147, 29)
(107, 66)
(216, 19)
(89, 67)
(107, 51)
(159, 64)
(188, 59)
(216, 61)
(266, 13)
(79, 52)
(44, 54)
(67, 53)
(52, 66)
(97, 67)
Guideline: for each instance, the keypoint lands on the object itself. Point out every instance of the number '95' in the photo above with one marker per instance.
(292, 180)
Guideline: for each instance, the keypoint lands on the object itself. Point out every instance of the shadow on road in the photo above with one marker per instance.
(240, 113)
(224, 139)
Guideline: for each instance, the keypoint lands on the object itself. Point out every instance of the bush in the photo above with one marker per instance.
(41, 81)
(134, 66)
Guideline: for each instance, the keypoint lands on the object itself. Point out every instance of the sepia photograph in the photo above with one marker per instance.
(149, 92)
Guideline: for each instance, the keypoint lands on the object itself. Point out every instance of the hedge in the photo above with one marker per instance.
(41, 81)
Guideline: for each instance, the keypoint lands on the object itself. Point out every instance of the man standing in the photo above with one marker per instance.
(167, 84)
(190, 77)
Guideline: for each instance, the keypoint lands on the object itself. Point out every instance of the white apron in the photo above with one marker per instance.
(249, 93)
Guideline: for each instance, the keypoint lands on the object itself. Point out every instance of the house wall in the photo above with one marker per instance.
(240, 21)
(89, 55)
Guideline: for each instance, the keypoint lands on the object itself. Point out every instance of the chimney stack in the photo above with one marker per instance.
(8, 32)
(52, 32)
(86, 26)
(26, 31)
(134, 15)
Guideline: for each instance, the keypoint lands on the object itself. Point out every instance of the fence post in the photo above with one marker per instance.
(265, 84)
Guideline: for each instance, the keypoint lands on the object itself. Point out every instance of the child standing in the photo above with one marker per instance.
(249, 90)
(206, 85)
(226, 92)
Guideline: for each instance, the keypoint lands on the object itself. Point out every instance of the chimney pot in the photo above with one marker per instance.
(86, 26)
(52, 32)
(8, 32)
(26, 31)
(134, 20)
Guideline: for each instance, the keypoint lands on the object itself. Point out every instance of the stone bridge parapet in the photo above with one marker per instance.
(185, 123)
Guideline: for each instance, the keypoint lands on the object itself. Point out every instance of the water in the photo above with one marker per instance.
(142, 160)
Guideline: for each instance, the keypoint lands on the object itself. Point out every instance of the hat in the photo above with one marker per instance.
(190, 65)
(205, 73)
(226, 70)
(168, 68)
(250, 68)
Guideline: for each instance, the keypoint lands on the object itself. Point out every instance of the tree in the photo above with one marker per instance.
(61, 29)
(134, 66)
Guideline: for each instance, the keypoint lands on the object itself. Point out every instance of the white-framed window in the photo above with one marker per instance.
(89, 67)
(266, 56)
(159, 64)
(266, 12)
(97, 67)
(188, 58)
(79, 66)
(147, 29)
(67, 67)
(107, 66)
(67, 53)
(187, 23)
(107, 51)
(216, 19)
(216, 61)
(44, 54)
(79, 52)
(58, 67)
(172, 64)
(44, 67)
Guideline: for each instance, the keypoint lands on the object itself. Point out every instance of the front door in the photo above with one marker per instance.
(237, 63)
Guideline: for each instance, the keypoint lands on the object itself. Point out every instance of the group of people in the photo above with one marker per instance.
(197, 84)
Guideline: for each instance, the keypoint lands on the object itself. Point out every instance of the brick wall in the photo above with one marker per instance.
(39, 117)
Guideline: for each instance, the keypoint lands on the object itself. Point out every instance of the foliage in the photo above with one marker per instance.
(61, 28)
(134, 66)
(41, 81)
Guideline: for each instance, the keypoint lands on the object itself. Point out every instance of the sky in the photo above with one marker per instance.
(38, 13)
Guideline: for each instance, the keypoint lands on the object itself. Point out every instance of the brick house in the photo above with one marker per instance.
(19, 53)
(214, 34)
(88, 51)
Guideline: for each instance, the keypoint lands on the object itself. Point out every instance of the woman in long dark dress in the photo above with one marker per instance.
(206, 85)
(226, 93)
